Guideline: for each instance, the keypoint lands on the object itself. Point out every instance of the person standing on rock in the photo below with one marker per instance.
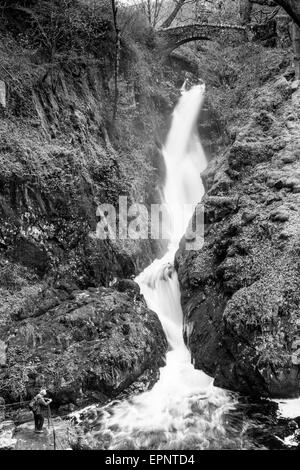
(36, 405)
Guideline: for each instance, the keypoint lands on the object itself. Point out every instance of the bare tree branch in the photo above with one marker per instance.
(179, 4)
(292, 7)
(117, 57)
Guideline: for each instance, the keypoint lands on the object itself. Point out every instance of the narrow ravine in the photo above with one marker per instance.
(149, 327)
(184, 409)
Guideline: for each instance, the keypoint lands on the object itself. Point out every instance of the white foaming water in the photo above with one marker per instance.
(183, 409)
(289, 408)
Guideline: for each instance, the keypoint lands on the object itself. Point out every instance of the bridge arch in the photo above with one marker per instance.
(225, 33)
(185, 41)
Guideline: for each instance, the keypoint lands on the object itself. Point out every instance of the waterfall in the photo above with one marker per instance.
(183, 409)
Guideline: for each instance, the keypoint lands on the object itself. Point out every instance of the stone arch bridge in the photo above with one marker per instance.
(224, 33)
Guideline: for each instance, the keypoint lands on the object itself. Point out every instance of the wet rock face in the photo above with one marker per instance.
(92, 345)
(241, 291)
(60, 162)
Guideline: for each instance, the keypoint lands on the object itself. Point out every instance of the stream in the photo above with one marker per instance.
(184, 410)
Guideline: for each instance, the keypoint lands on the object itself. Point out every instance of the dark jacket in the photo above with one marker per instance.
(40, 404)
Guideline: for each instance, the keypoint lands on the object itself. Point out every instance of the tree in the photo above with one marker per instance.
(292, 7)
(245, 11)
(178, 5)
(117, 56)
(152, 9)
(49, 24)
(296, 43)
(158, 12)
(155, 10)
(260, 16)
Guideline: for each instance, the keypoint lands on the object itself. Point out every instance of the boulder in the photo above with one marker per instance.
(91, 346)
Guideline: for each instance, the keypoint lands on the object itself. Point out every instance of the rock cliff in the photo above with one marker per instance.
(241, 290)
(62, 153)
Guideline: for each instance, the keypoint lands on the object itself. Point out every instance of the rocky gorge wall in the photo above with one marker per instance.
(64, 325)
(61, 155)
(241, 291)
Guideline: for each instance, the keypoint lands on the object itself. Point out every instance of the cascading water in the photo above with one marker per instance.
(183, 409)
